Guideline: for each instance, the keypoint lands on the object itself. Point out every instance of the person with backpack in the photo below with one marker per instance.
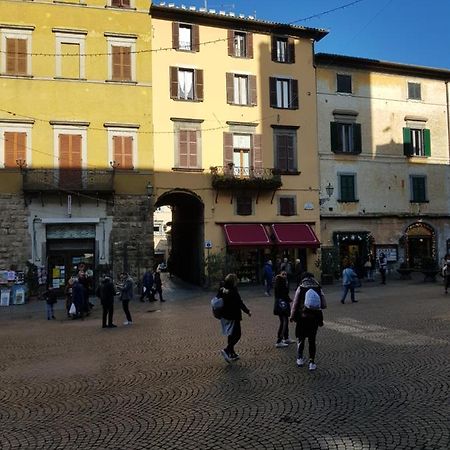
(282, 309)
(306, 311)
(349, 281)
(231, 315)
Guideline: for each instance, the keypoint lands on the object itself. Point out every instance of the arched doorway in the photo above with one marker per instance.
(420, 244)
(187, 234)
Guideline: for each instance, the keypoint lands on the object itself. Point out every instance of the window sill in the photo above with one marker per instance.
(69, 79)
(348, 201)
(338, 152)
(128, 8)
(68, 2)
(419, 201)
(287, 172)
(242, 105)
(12, 75)
(121, 81)
(344, 93)
(282, 62)
(240, 57)
(187, 169)
(187, 100)
(417, 156)
(283, 108)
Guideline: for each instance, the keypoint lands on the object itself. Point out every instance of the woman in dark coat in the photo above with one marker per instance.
(282, 309)
(231, 315)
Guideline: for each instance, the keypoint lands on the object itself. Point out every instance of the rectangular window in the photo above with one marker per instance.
(121, 3)
(418, 189)
(15, 148)
(345, 137)
(241, 89)
(70, 54)
(243, 153)
(283, 93)
(414, 91)
(344, 83)
(186, 84)
(242, 144)
(123, 152)
(283, 50)
(240, 44)
(286, 206)
(70, 67)
(285, 150)
(187, 149)
(16, 56)
(185, 37)
(347, 187)
(244, 205)
(416, 142)
(121, 58)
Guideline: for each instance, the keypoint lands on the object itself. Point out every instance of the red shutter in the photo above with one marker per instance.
(15, 148)
(192, 136)
(273, 92)
(253, 93)
(195, 38)
(249, 43)
(173, 82)
(198, 75)
(176, 35)
(227, 149)
(230, 43)
(257, 152)
(230, 87)
(183, 148)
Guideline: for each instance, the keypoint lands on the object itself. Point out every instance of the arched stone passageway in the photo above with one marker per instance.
(420, 243)
(186, 253)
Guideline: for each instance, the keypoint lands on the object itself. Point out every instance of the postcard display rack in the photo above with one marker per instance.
(12, 288)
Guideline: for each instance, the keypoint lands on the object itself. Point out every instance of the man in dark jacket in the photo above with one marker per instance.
(106, 292)
(148, 291)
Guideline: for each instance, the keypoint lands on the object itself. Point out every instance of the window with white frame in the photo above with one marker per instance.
(186, 84)
(16, 50)
(15, 144)
(416, 141)
(241, 89)
(121, 58)
(122, 147)
(69, 145)
(240, 44)
(187, 145)
(283, 49)
(242, 144)
(283, 93)
(70, 54)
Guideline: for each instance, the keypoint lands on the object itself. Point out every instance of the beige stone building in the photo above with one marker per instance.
(384, 149)
(235, 139)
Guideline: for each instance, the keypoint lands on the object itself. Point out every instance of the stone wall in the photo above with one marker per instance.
(15, 241)
(132, 234)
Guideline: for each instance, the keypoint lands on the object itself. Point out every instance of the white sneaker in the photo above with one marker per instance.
(281, 344)
(312, 366)
(128, 323)
(288, 341)
(300, 362)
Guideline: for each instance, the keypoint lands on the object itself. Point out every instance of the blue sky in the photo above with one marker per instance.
(404, 31)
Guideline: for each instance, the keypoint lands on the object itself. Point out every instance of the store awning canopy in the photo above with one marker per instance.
(298, 234)
(243, 234)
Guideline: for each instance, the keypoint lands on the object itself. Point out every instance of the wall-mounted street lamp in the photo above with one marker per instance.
(149, 189)
(329, 190)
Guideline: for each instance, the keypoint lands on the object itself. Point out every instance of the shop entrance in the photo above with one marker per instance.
(186, 259)
(420, 239)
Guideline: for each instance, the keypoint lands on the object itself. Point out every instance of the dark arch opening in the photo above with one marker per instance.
(186, 253)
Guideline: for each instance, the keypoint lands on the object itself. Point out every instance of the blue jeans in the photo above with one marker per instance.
(348, 287)
(50, 313)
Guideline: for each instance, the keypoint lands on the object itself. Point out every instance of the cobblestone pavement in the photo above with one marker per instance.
(382, 380)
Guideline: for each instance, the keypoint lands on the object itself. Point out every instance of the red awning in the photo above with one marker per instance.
(246, 234)
(298, 234)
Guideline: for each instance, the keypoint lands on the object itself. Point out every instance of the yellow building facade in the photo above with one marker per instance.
(76, 137)
(235, 140)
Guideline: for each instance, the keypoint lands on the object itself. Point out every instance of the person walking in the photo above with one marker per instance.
(308, 319)
(382, 262)
(50, 300)
(148, 281)
(282, 309)
(268, 277)
(231, 315)
(298, 270)
(349, 279)
(126, 294)
(369, 266)
(106, 292)
(446, 272)
(158, 284)
(78, 298)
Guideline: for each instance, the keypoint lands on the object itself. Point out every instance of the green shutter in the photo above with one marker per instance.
(407, 146)
(357, 144)
(334, 129)
(427, 142)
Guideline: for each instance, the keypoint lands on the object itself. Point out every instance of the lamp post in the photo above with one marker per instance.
(329, 190)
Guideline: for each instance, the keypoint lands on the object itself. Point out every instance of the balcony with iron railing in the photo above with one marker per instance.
(231, 177)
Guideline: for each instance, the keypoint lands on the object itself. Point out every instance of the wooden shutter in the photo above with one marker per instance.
(347, 188)
(198, 79)
(290, 151)
(123, 151)
(227, 149)
(249, 45)
(427, 142)
(173, 82)
(334, 131)
(230, 38)
(274, 41)
(357, 141)
(120, 3)
(187, 149)
(257, 151)
(195, 38)
(407, 144)
(121, 63)
(291, 51)
(192, 148)
(183, 148)
(230, 87)
(70, 151)
(176, 35)
(294, 94)
(16, 56)
(15, 148)
(281, 147)
(273, 92)
(253, 100)
(287, 206)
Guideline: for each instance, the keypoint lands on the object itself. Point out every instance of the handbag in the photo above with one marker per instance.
(217, 307)
(73, 309)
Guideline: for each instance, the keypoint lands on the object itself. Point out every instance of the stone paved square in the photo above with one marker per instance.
(382, 380)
